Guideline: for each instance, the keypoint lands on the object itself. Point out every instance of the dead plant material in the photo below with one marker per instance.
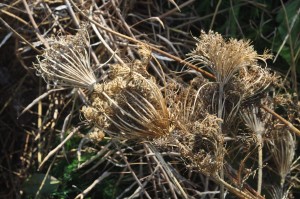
(159, 125)
(128, 106)
(67, 62)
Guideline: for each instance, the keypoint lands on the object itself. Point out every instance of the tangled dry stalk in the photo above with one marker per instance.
(191, 124)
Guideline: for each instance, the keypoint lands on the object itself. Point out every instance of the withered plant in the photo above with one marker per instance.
(145, 118)
(192, 118)
(67, 62)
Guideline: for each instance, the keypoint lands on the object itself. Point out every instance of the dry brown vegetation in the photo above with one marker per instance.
(136, 104)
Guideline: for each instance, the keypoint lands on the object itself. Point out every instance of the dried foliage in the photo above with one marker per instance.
(141, 118)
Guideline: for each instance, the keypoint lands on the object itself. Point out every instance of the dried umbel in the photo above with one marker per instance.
(95, 135)
(202, 143)
(128, 106)
(224, 58)
(239, 77)
(67, 62)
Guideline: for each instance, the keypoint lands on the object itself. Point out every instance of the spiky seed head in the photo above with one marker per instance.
(67, 62)
(223, 57)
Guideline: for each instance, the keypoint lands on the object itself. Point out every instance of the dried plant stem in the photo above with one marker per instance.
(40, 125)
(215, 14)
(192, 66)
(41, 96)
(37, 194)
(287, 123)
(291, 45)
(232, 189)
(97, 181)
(220, 114)
(166, 170)
(106, 45)
(70, 10)
(260, 163)
(37, 31)
(176, 9)
(51, 153)
(133, 173)
(15, 16)
(19, 36)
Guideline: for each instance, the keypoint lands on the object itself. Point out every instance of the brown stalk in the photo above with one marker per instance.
(16, 17)
(176, 9)
(37, 31)
(142, 43)
(287, 123)
(232, 189)
(18, 35)
(56, 149)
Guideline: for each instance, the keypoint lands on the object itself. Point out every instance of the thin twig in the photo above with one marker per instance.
(19, 36)
(54, 151)
(16, 17)
(260, 163)
(37, 194)
(97, 181)
(132, 172)
(143, 43)
(176, 9)
(37, 31)
(287, 123)
(71, 12)
(232, 189)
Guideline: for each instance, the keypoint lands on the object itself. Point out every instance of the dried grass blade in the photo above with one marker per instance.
(39, 99)
(54, 151)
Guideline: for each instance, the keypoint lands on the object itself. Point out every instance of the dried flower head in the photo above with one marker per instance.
(128, 106)
(224, 58)
(253, 81)
(202, 143)
(67, 62)
(239, 78)
(96, 135)
(283, 146)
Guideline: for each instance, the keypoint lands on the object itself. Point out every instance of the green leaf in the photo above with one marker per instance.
(33, 183)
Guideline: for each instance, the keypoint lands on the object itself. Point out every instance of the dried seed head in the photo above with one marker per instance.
(224, 58)
(201, 142)
(130, 106)
(96, 135)
(118, 70)
(67, 62)
(253, 81)
(250, 115)
(239, 78)
(283, 146)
